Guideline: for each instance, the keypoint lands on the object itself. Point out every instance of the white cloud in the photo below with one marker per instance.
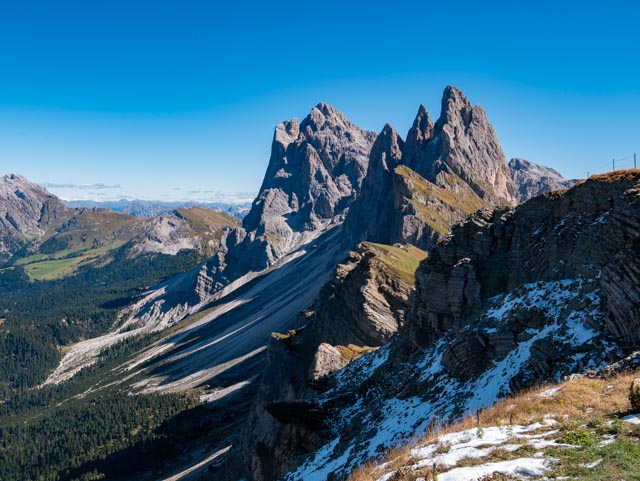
(99, 185)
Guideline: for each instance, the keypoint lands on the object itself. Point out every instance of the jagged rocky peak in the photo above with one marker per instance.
(315, 173)
(422, 128)
(463, 143)
(386, 150)
(416, 190)
(533, 179)
(372, 215)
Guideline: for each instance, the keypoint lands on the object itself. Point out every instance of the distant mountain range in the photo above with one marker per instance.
(151, 208)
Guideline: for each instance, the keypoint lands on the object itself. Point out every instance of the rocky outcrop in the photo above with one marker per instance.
(461, 143)
(533, 179)
(359, 309)
(27, 211)
(196, 228)
(416, 190)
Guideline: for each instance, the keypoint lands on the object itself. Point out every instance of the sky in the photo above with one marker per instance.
(171, 100)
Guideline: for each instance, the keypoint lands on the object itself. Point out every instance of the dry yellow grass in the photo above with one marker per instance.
(627, 174)
(403, 260)
(577, 401)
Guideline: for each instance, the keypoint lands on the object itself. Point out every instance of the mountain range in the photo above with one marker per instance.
(151, 208)
(378, 287)
(37, 228)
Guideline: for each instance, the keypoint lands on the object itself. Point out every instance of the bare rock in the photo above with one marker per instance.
(314, 174)
(415, 191)
(534, 179)
(327, 359)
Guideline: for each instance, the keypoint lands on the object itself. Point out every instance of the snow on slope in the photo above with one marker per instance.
(429, 393)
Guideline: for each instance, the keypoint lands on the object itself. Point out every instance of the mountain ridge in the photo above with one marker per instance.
(404, 199)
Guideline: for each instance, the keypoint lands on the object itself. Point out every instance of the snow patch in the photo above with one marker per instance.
(516, 467)
(549, 393)
(633, 419)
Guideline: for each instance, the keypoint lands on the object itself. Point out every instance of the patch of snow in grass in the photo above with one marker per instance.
(633, 419)
(549, 393)
(592, 465)
(478, 443)
(514, 467)
(608, 439)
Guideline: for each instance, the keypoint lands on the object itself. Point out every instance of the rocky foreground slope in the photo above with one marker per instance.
(510, 299)
(356, 312)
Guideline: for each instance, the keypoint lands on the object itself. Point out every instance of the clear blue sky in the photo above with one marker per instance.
(179, 99)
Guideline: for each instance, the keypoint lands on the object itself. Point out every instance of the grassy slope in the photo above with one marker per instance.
(92, 234)
(63, 264)
(84, 238)
(403, 260)
(201, 216)
(451, 197)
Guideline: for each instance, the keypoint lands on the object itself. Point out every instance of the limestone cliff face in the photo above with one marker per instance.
(359, 309)
(533, 179)
(462, 143)
(27, 211)
(314, 174)
(416, 190)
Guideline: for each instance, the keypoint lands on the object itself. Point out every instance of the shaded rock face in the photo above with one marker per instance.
(534, 179)
(361, 307)
(26, 212)
(510, 299)
(373, 214)
(416, 190)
